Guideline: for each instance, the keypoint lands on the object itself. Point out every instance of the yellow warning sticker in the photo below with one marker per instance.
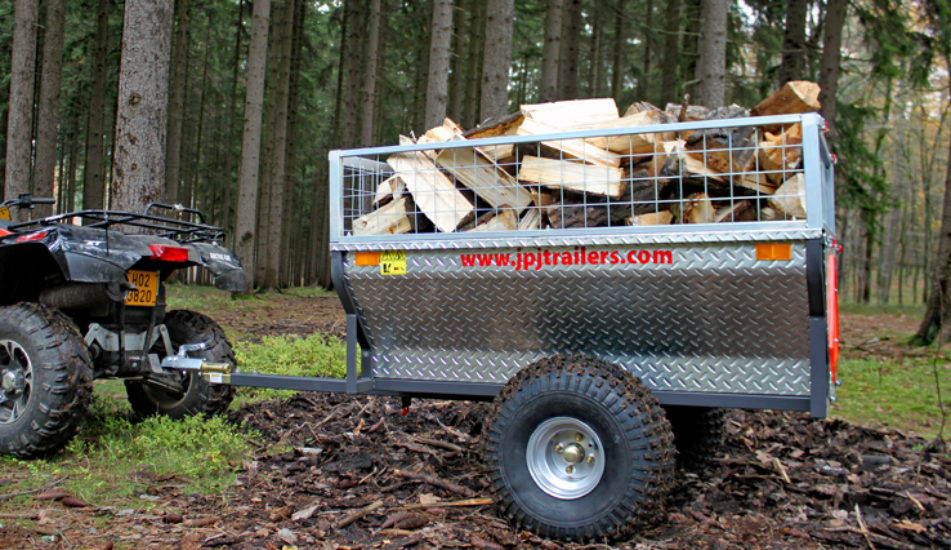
(4, 213)
(393, 262)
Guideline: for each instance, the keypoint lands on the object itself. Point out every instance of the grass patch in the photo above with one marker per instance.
(209, 298)
(912, 310)
(113, 459)
(315, 355)
(893, 394)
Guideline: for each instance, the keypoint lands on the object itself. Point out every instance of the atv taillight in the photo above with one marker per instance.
(168, 253)
(32, 236)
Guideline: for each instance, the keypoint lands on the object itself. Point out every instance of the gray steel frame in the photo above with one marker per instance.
(363, 376)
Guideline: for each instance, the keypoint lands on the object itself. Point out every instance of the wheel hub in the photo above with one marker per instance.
(13, 382)
(565, 458)
(16, 380)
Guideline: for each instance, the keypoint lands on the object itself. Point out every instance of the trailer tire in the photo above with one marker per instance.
(46, 378)
(201, 396)
(560, 411)
(698, 435)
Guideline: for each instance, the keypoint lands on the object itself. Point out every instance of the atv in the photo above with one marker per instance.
(82, 297)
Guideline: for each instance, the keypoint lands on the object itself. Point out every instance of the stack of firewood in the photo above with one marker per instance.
(727, 174)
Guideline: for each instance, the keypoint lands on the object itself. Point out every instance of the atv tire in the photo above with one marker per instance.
(578, 449)
(698, 435)
(200, 396)
(46, 376)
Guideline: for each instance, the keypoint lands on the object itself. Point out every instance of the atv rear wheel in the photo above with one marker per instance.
(45, 380)
(578, 449)
(196, 396)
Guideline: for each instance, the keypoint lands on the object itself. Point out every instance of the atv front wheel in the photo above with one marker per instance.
(176, 394)
(45, 380)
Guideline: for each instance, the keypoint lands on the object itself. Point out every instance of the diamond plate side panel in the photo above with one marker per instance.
(714, 319)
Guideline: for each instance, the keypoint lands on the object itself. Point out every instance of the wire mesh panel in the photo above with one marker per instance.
(636, 171)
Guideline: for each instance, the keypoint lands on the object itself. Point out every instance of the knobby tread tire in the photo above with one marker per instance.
(645, 430)
(698, 435)
(62, 380)
(202, 397)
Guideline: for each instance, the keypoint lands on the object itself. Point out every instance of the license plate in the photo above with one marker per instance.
(4, 213)
(146, 288)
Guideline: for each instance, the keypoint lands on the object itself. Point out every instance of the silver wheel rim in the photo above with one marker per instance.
(565, 458)
(16, 381)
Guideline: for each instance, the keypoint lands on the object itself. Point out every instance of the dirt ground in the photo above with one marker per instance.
(360, 475)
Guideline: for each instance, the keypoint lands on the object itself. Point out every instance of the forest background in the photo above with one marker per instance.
(317, 76)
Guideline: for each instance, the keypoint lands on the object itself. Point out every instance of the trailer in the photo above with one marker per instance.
(610, 289)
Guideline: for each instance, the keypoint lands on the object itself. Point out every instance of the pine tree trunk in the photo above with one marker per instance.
(292, 202)
(551, 50)
(460, 38)
(937, 319)
(176, 104)
(474, 64)
(568, 53)
(829, 64)
(48, 111)
(272, 267)
(370, 74)
(228, 197)
(793, 63)
(645, 81)
(246, 212)
(418, 111)
(93, 174)
(138, 167)
(711, 62)
(668, 85)
(620, 49)
(437, 87)
(597, 44)
(20, 114)
(498, 58)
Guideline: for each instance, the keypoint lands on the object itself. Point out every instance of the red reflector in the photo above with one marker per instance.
(4, 232)
(832, 315)
(169, 253)
(32, 236)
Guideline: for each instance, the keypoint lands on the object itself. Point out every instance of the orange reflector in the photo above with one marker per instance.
(773, 251)
(367, 258)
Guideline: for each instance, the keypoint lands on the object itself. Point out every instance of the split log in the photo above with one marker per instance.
(726, 150)
(675, 161)
(573, 148)
(531, 219)
(664, 217)
(390, 219)
(633, 144)
(740, 211)
(490, 182)
(506, 220)
(578, 114)
(495, 127)
(790, 198)
(781, 152)
(692, 112)
(434, 193)
(574, 176)
(698, 209)
(797, 96)
(389, 190)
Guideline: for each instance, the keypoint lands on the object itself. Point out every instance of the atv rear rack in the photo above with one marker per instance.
(183, 231)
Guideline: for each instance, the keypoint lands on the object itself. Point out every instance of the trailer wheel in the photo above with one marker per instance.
(45, 380)
(578, 449)
(197, 396)
(698, 435)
